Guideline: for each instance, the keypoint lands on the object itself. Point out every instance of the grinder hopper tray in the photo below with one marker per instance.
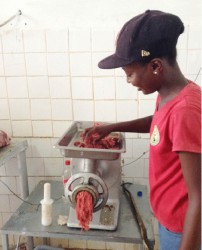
(67, 148)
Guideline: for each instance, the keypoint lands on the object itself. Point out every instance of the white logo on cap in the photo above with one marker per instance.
(145, 53)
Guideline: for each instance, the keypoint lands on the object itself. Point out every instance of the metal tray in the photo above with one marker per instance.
(66, 144)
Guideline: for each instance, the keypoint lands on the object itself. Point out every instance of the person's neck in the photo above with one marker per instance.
(173, 82)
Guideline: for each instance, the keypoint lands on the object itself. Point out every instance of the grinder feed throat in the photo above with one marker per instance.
(96, 171)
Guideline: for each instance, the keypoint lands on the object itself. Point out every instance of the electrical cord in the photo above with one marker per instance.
(32, 204)
(138, 218)
(11, 18)
(136, 158)
(16, 194)
(197, 74)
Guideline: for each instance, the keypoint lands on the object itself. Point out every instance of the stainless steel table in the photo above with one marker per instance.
(17, 149)
(27, 219)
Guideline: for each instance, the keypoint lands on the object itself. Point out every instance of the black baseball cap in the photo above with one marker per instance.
(146, 36)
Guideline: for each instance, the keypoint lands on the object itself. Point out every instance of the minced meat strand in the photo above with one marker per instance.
(84, 209)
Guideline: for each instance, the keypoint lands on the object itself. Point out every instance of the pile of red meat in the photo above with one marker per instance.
(84, 209)
(108, 142)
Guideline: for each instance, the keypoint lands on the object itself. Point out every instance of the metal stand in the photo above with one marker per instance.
(27, 219)
(17, 149)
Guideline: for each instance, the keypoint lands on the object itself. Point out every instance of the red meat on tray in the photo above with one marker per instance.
(108, 142)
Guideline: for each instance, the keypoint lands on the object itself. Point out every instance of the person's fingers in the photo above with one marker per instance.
(4, 139)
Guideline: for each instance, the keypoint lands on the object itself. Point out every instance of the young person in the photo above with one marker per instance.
(146, 51)
(4, 139)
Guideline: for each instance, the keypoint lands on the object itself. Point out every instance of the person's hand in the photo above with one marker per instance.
(96, 133)
(4, 139)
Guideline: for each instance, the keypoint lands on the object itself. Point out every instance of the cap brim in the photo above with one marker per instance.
(113, 62)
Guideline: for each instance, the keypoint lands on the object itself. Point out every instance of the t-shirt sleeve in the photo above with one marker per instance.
(186, 127)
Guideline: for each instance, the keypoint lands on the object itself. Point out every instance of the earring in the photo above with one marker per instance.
(155, 72)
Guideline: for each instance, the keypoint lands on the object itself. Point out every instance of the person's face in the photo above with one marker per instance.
(142, 77)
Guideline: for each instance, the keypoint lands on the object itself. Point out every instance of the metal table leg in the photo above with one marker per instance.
(141, 247)
(30, 243)
(5, 243)
(22, 167)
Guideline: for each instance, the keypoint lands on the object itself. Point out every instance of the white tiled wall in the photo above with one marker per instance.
(49, 78)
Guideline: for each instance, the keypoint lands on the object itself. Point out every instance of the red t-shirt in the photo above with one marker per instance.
(175, 127)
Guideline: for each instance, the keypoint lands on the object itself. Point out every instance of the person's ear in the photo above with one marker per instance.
(156, 66)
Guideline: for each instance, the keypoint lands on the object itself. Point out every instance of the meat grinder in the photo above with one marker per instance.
(97, 171)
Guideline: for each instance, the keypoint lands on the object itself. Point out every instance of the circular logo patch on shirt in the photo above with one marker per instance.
(155, 136)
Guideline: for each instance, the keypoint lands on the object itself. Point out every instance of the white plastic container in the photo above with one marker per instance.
(46, 206)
